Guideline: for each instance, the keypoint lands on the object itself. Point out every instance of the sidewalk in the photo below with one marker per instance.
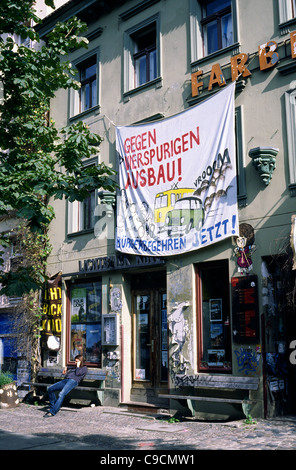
(116, 429)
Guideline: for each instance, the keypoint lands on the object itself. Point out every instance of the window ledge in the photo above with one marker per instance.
(285, 27)
(94, 110)
(81, 232)
(157, 82)
(234, 48)
(288, 68)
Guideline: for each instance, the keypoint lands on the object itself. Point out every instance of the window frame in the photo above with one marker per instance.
(199, 317)
(75, 95)
(196, 33)
(87, 82)
(69, 286)
(73, 218)
(129, 85)
(217, 18)
(290, 105)
(287, 10)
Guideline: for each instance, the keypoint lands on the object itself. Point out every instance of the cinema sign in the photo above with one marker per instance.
(268, 58)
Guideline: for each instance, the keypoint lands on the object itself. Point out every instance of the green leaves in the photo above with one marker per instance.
(15, 15)
(19, 283)
(38, 160)
(79, 143)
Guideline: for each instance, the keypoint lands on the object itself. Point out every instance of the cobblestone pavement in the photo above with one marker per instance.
(116, 429)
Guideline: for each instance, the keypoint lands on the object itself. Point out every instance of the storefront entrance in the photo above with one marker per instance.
(150, 338)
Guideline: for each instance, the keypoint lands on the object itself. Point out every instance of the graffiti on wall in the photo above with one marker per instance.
(178, 326)
(247, 360)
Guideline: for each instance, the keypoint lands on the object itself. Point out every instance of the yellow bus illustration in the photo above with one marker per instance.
(166, 200)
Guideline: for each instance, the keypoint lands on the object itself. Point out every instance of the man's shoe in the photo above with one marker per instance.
(48, 415)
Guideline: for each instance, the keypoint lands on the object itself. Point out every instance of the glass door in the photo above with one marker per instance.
(142, 337)
(150, 345)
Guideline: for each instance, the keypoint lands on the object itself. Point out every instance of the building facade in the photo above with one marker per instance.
(225, 309)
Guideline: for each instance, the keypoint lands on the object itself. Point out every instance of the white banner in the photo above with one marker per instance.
(177, 179)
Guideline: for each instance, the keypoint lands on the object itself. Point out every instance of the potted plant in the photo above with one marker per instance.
(8, 392)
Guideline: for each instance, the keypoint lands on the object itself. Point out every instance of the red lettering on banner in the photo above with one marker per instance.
(164, 173)
(142, 167)
(140, 141)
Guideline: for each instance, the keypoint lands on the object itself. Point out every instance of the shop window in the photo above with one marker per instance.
(86, 98)
(84, 321)
(213, 310)
(141, 54)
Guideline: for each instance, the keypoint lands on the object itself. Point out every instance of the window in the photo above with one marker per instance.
(81, 215)
(213, 27)
(141, 54)
(84, 321)
(88, 80)
(86, 98)
(144, 57)
(241, 173)
(216, 25)
(287, 10)
(290, 100)
(214, 347)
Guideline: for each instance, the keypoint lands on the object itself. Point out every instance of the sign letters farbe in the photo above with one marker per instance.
(268, 58)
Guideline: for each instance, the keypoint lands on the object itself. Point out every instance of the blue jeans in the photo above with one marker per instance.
(64, 387)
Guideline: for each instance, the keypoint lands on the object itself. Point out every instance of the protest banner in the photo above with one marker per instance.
(177, 178)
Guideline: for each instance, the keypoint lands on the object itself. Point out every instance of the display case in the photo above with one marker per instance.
(110, 329)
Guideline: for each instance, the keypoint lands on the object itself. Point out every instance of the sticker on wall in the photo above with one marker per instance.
(115, 299)
(245, 248)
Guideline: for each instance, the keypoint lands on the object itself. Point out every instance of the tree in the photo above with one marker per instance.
(33, 150)
(38, 161)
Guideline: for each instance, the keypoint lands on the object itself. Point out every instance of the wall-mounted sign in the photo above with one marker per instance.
(52, 310)
(118, 261)
(268, 58)
(245, 312)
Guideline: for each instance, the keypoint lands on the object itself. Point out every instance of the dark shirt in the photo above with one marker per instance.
(77, 373)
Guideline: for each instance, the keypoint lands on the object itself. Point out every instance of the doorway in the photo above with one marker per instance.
(150, 337)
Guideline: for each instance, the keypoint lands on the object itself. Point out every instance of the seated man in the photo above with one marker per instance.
(72, 379)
